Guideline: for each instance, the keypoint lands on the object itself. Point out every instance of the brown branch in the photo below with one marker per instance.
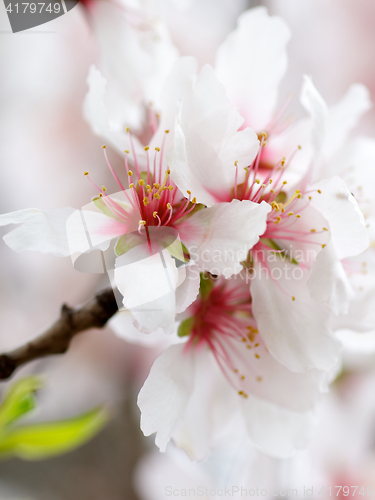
(56, 339)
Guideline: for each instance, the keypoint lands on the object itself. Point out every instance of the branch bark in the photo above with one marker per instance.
(56, 339)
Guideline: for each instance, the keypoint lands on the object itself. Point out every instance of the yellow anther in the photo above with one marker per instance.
(194, 200)
(298, 191)
(100, 195)
(270, 181)
(169, 206)
(282, 163)
(263, 186)
(157, 196)
(293, 297)
(236, 163)
(264, 134)
(170, 188)
(256, 345)
(236, 371)
(148, 186)
(310, 198)
(285, 182)
(126, 151)
(290, 213)
(104, 147)
(104, 188)
(142, 223)
(131, 185)
(248, 346)
(257, 181)
(272, 191)
(298, 216)
(282, 210)
(188, 192)
(145, 199)
(299, 147)
(319, 191)
(278, 219)
(324, 245)
(299, 196)
(157, 149)
(313, 230)
(166, 131)
(257, 356)
(325, 229)
(141, 182)
(243, 339)
(147, 148)
(259, 379)
(127, 129)
(156, 185)
(130, 173)
(242, 377)
(155, 214)
(86, 172)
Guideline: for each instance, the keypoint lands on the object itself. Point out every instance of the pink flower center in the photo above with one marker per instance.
(151, 193)
(223, 321)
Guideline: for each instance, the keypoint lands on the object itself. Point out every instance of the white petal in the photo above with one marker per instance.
(178, 83)
(213, 407)
(317, 108)
(278, 432)
(96, 114)
(361, 313)
(219, 238)
(188, 290)
(259, 374)
(165, 394)
(41, 230)
(296, 331)
(346, 221)
(328, 282)
(251, 63)
(148, 284)
(344, 116)
(207, 142)
(122, 325)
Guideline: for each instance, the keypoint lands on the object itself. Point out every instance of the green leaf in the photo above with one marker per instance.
(128, 241)
(19, 400)
(206, 286)
(185, 327)
(177, 250)
(40, 441)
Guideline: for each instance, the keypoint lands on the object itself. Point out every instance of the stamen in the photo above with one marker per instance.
(133, 151)
(235, 179)
(111, 169)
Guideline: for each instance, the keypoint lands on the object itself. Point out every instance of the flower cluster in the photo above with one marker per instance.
(242, 235)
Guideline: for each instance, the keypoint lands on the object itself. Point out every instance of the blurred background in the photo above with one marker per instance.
(45, 147)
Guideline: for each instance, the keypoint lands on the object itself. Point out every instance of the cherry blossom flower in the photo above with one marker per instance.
(145, 220)
(224, 378)
(300, 225)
